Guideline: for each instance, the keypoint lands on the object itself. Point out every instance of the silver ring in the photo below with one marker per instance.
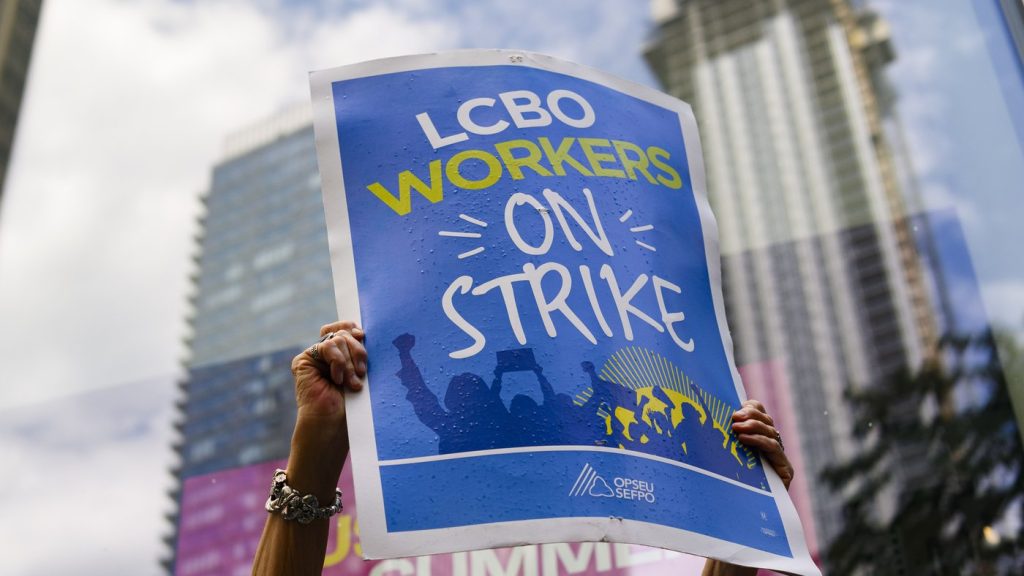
(778, 438)
(314, 350)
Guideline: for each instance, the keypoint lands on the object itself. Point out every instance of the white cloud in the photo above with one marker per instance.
(1006, 301)
(375, 32)
(88, 489)
(124, 116)
(923, 111)
(605, 34)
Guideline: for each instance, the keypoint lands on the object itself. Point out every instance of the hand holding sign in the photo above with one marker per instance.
(322, 371)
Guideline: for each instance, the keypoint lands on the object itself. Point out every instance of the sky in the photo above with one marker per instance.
(123, 120)
(91, 485)
(126, 110)
(963, 148)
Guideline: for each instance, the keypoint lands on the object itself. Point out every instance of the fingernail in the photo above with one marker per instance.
(362, 368)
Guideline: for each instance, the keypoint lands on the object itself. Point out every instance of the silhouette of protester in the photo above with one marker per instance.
(560, 408)
(473, 416)
(576, 424)
(659, 432)
(603, 396)
(606, 398)
(663, 420)
(535, 424)
(703, 443)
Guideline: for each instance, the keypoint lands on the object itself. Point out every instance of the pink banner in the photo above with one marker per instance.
(767, 382)
(222, 517)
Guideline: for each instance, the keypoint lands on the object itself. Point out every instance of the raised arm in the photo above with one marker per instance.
(496, 383)
(602, 392)
(426, 405)
(545, 387)
(318, 450)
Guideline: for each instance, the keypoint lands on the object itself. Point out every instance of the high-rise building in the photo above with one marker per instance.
(820, 270)
(262, 289)
(1013, 13)
(18, 20)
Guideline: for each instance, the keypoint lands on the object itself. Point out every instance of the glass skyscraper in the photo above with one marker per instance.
(821, 272)
(18, 20)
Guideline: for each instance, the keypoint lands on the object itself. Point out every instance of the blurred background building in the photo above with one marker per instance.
(18, 20)
(821, 272)
(262, 288)
(1013, 11)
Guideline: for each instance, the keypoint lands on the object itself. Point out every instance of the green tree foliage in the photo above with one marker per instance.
(937, 484)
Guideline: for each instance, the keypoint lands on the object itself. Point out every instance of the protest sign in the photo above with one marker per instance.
(528, 245)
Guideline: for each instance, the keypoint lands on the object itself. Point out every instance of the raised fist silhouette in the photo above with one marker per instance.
(405, 342)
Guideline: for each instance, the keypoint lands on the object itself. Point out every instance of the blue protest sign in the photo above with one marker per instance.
(528, 246)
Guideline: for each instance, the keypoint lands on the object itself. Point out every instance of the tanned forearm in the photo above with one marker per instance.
(317, 454)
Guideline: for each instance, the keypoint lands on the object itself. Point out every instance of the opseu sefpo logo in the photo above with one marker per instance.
(590, 483)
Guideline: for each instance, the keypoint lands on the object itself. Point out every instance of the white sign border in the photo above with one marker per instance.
(377, 543)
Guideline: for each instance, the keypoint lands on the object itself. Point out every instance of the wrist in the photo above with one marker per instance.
(325, 421)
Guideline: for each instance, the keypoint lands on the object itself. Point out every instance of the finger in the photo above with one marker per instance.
(756, 405)
(344, 341)
(768, 446)
(357, 352)
(303, 365)
(752, 409)
(305, 356)
(338, 358)
(754, 427)
(749, 412)
(338, 327)
(780, 463)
